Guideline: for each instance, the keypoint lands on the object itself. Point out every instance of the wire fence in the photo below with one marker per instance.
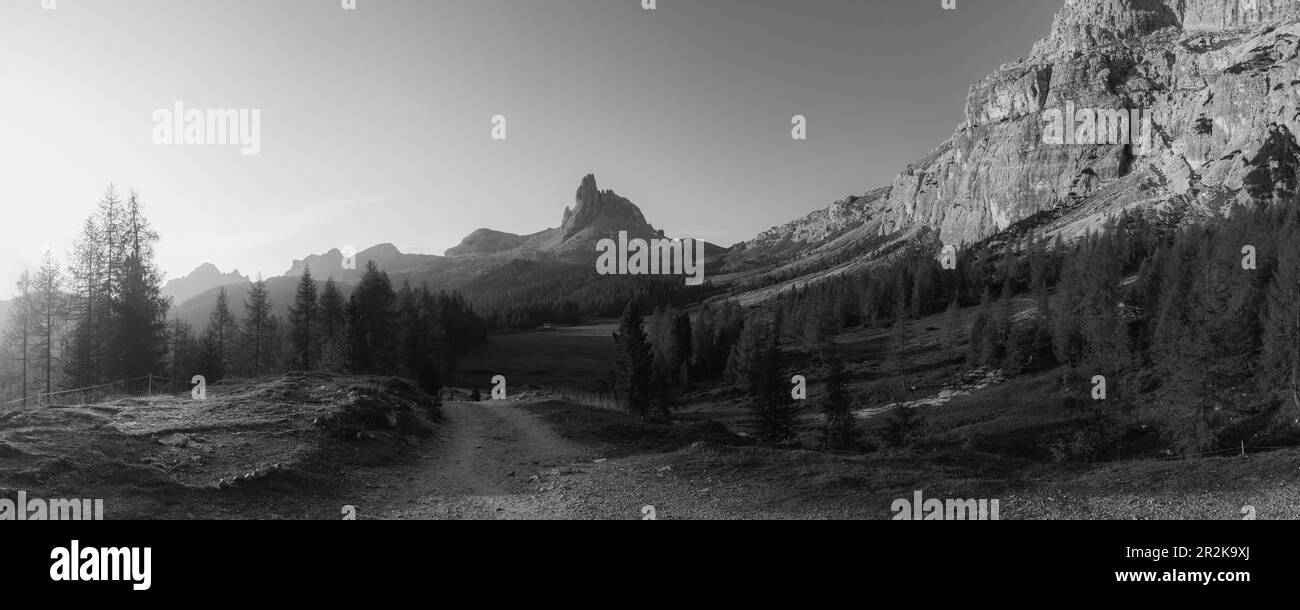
(147, 385)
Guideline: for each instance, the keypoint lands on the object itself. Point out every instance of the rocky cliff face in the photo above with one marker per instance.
(594, 208)
(595, 215)
(815, 233)
(1219, 82)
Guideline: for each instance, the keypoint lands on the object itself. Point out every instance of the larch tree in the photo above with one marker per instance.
(257, 332)
(302, 317)
(49, 309)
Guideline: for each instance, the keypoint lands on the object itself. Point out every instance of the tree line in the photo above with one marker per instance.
(1193, 321)
(103, 319)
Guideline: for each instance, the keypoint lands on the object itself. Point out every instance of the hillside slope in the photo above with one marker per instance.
(1219, 84)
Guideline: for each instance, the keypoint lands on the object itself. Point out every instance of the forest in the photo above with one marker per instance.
(100, 322)
(1193, 321)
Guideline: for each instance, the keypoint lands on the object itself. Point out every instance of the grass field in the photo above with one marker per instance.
(985, 435)
(576, 356)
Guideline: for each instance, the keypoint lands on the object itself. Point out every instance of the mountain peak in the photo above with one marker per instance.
(380, 252)
(204, 277)
(330, 264)
(593, 207)
(486, 241)
(1085, 24)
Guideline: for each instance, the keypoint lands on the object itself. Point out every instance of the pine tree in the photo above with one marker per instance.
(1000, 331)
(1067, 335)
(702, 358)
(982, 332)
(18, 336)
(139, 311)
(774, 416)
(1038, 276)
(276, 344)
(96, 264)
(49, 309)
(81, 360)
(898, 338)
(333, 326)
(840, 431)
(684, 345)
(1281, 347)
(256, 337)
(743, 354)
(184, 351)
(633, 362)
(218, 340)
(371, 341)
(421, 334)
(302, 316)
(952, 328)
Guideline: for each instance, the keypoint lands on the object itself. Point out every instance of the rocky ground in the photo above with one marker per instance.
(309, 446)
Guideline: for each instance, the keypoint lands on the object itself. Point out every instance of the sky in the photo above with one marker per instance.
(376, 124)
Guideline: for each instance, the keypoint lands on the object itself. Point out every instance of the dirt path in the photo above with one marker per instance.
(480, 466)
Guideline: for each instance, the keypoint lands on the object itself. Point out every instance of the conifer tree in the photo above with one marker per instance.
(840, 430)
(18, 336)
(218, 340)
(257, 336)
(49, 310)
(371, 340)
(773, 414)
(633, 362)
(302, 322)
(139, 311)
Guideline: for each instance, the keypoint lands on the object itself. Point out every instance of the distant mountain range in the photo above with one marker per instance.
(199, 281)
(595, 215)
(1219, 84)
(481, 264)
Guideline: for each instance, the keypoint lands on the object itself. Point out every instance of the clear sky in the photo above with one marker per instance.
(376, 122)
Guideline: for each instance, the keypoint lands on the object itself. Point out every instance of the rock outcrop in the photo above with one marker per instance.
(602, 210)
(1219, 83)
(595, 215)
(818, 232)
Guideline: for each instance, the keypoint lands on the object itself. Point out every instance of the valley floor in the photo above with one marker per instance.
(541, 458)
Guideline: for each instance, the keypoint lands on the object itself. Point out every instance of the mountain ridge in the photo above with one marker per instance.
(204, 277)
(1219, 83)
